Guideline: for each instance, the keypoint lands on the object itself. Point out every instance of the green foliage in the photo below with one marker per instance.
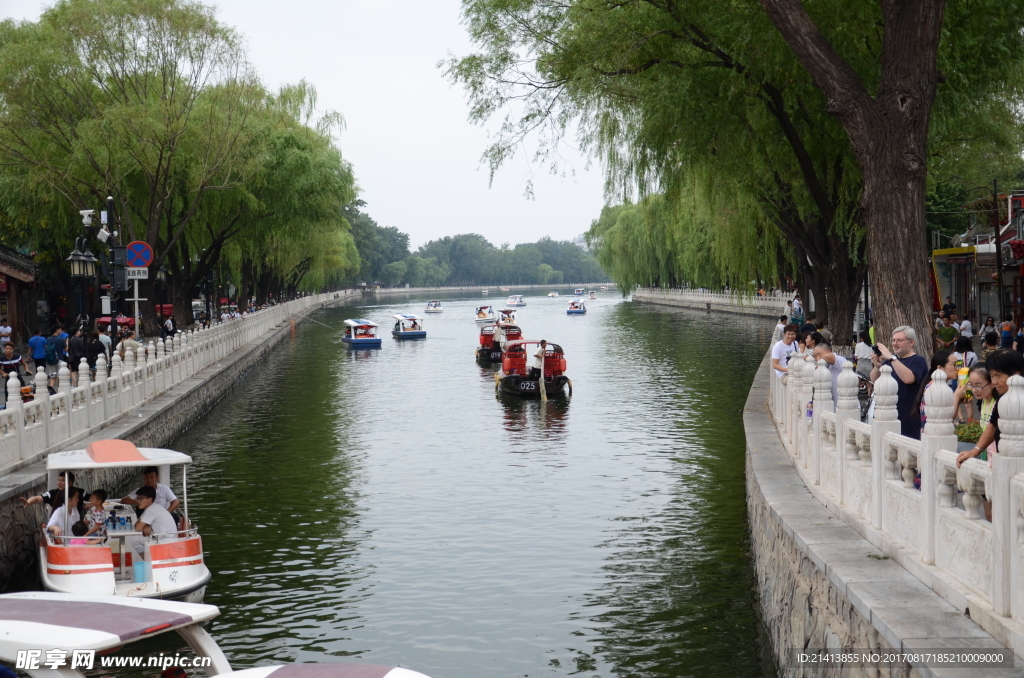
(154, 103)
(968, 432)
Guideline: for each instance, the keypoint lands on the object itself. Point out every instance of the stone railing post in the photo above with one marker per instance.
(84, 381)
(822, 403)
(161, 373)
(14, 404)
(793, 385)
(1006, 532)
(847, 409)
(101, 378)
(64, 388)
(42, 395)
(938, 435)
(176, 363)
(806, 429)
(886, 420)
(152, 383)
(116, 369)
(129, 367)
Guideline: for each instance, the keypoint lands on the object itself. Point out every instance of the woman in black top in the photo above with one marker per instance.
(76, 351)
(1001, 365)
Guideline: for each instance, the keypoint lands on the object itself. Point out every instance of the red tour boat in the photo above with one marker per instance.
(514, 377)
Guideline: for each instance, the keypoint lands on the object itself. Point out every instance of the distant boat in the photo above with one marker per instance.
(361, 333)
(485, 315)
(504, 289)
(484, 291)
(408, 326)
(552, 294)
(433, 306)
(593, 294)
(576, 307)
(579, 291)
(515, 300)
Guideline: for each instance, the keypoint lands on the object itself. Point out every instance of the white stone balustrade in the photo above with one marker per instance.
(28, 431)
(907, 496)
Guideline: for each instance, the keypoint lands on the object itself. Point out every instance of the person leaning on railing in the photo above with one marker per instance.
(1001, 365)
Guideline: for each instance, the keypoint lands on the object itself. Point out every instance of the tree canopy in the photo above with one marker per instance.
(708, 106)
(154, 103)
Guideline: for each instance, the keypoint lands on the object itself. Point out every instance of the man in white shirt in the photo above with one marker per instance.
(834, 363)
(5, 331)
(863, 352)
(163, 495)
(155, 520)
(781, 351)
(537, 362)
(780, 327)
(965, 327)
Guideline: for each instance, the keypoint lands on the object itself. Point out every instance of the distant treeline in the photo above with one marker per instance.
(467, 259)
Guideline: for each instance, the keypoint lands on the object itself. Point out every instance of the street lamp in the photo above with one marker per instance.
(83, 264)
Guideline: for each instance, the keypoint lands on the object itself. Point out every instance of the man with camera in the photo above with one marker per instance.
(909, 370)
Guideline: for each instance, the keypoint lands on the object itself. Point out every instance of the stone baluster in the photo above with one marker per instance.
(938, 435)
(177, 365)
(42, 395)
(822, 384)
(64, 388)
(847, 409)
(1007, 551)
(886, 420)
(101, 378)
(161, 372)
(793, 382)
(84, 381)
(115, 369)
(805, 429)
(14, 403)
(973, 486)
(150, 372)
(129, 367)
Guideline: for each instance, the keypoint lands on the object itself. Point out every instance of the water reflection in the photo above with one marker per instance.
(533, 420)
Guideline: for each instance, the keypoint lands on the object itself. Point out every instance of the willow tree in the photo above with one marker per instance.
(663, 91)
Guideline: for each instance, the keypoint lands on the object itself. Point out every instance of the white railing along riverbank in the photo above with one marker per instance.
(50, 422)
(866, 473)
(769, 305)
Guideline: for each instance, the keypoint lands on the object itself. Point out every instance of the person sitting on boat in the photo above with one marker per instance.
(164, 496)
(95, 517)
(64, 517)
(481, 313)
(81, 530)
(50, 496)
(537, 364)
(155, 520)
(415, 326)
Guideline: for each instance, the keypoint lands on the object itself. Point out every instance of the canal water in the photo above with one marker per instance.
(384, 506)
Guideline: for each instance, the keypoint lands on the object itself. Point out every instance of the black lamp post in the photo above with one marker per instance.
(83, 267)
(161, 279)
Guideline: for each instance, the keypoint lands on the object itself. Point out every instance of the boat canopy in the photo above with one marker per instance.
(110, 453)
(528, 342)
(407, 316)
(434, 301)
(360, 323)
(483, 308)
(31, 619)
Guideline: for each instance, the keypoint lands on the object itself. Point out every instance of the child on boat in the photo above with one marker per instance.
(80, 529)
(96, 518)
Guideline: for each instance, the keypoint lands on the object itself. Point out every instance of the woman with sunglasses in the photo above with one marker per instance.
(1001, 365)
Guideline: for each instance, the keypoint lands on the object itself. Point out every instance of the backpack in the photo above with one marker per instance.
(53, 350)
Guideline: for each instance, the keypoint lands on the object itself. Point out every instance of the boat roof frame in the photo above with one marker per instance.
(114, 453)
(360, 322)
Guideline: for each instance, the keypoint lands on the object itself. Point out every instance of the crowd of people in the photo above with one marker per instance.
(977, 378)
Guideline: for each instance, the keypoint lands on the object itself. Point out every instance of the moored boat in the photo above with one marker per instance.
(32, 623)
(433, 306)
(360, 333)
(485, 315)
(408, 326)
(124, 562)
(515, 378)
(515, 300)
(576, 307)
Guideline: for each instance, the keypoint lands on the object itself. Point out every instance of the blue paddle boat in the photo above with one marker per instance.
(361, 334)
(576, 307)
(408, 326)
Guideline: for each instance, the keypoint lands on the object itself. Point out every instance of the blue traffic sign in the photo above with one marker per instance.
(138, 254)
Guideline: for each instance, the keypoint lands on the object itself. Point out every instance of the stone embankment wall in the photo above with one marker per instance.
(771, 306)
(154, 423)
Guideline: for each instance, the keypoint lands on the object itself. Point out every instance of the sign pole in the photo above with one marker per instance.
(138, 326)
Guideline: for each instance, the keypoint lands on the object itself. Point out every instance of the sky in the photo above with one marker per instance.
(415, 154)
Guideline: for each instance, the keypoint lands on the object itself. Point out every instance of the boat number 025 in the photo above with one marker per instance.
(527, 386)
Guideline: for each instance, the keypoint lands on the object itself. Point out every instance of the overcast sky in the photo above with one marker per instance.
(416, 156)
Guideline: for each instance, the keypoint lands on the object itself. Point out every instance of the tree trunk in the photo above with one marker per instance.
(889, 137)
